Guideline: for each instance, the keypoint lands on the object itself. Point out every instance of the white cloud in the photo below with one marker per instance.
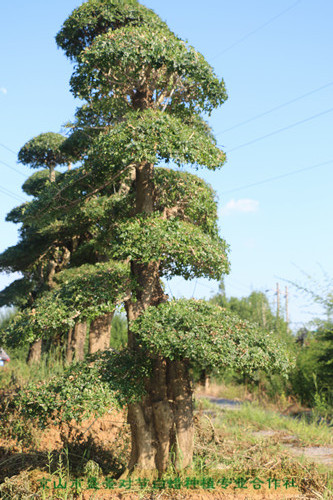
(3, 90)
(245, 205)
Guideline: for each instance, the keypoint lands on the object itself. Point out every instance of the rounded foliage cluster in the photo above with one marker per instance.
(125, 372)
(43, 151)
(208, 336)
(81, 294)
(37, 182)
(77, 394)
(151, 137)
(186, 196)
(182, 248)
(95, 17)
(164, 61)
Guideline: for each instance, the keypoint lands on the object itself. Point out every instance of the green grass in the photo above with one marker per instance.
(251, 417)
(225, 445)
(19, 373)
(255, 418)
(226, 390)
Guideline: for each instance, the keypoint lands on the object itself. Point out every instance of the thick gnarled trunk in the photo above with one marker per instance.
(76, 342)
(163, 421)
(181, 392)
(100, 333)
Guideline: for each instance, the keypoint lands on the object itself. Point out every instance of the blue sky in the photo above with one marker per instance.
(271, 55)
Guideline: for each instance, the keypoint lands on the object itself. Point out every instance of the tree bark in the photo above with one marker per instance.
(163, 421)
(204, 380)
(180, 392)
(35, 352)
(100, 333)
(51, 173)
(76, 341)
(142, 460)
(68, 347)
(151, 419)
(163, 415)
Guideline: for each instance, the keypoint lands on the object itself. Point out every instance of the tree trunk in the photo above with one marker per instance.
(180, 392)
(142, 460)
(69, 353)
(163, 421)
(76, 341)
(35, 352)
(204, 380)
(51, 173)
(151, 419)
(100, 333)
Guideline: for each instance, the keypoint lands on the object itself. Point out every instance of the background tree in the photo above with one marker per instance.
(257, 309)
(313, 377)
(42, 258)
(44, 248)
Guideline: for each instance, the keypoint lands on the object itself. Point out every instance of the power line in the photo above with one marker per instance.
(245, 37)
(8, 149)
(274, 109)
(12, 168)
(278, 177)
(239, 284)
(211, 288)
(195, 286)
(170, 288)
(11, 194)
(281, 130)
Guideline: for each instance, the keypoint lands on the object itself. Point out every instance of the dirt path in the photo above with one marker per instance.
(318, 454)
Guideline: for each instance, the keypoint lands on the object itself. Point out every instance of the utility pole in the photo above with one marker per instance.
(277, 300)
(287, 312)
(263, 312)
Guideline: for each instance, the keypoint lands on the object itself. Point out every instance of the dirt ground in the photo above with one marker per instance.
(108, 440)
(103, 431)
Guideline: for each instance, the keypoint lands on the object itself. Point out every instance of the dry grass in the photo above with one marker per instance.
(226, 446)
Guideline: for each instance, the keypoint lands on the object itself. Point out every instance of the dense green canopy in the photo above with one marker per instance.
(79, 294)
(17, 293)
(43, 151)
(152, 136)
(76, 394)
(37, 183)
(95, 17)
(208, 336)
(180, 247)
(77, 144)
(131, 60)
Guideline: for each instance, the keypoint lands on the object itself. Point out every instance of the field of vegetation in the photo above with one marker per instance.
(256, 435)
(248, 444)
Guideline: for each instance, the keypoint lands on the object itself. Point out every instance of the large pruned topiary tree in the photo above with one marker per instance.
(145, 92)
